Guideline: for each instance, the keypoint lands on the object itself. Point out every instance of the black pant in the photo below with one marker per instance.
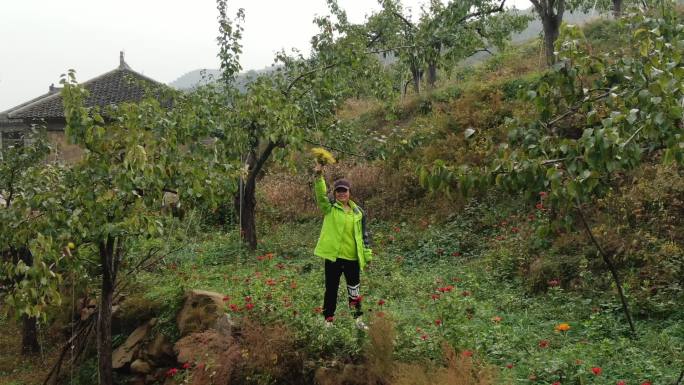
(333, 271)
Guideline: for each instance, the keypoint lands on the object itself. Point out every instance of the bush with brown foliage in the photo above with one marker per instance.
(380, 368)
(270, 354)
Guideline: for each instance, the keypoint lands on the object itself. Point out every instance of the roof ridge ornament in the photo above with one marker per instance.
(122, 62)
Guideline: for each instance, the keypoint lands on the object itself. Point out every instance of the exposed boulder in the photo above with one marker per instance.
(159, 351)
(209, 350)
(203, 310)
(125, 353)
(140, 367)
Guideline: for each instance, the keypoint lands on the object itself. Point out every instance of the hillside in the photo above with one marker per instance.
(494, 284)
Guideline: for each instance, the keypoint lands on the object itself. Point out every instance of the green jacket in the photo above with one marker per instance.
(329, 241)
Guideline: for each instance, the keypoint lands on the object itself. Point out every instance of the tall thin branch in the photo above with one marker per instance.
(613, 271)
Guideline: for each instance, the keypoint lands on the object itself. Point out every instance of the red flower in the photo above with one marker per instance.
(509, 365)
(381, 302)
(318, 310)
(621, 382)
(424, 337)
(280, 266)
(455, 254)
(397, 229)
(293, 285)
(249, 306)
(226, 298)
(543, 194)
(234, 307)
(434, 297)
(496, 319)
(186, 365)
(438, 322)
(596, 370)
(539, 206)
(556, 383)
(514, 229)
(467, 353)
(543, 344)
(248, 299)
(646, 383)
(465, 293)
(553, 282)
(270, 282)
(171, 372)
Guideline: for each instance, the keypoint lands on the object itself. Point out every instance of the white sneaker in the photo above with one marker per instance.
(360, 324)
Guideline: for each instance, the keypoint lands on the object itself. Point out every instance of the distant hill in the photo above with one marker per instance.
(199, 77)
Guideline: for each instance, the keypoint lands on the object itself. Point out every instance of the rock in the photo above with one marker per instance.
(159, 351)
(201, 311)
(125, 353)
(140, 367)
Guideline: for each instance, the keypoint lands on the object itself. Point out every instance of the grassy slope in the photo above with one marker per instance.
(407, 281)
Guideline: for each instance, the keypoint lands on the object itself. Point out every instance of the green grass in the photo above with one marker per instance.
(289, 287)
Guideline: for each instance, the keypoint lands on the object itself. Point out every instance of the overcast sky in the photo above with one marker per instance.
(162, 39)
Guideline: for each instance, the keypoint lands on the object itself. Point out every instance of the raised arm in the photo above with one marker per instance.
(320, 192)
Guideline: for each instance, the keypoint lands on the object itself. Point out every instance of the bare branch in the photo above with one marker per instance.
(402, 18)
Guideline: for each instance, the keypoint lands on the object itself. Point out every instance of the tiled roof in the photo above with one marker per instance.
(113, 87)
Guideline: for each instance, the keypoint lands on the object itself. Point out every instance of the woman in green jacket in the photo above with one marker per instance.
(344, 243)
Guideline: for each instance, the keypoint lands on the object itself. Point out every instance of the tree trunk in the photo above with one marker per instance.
(246, 203)
(29, 329)
(416, 74)
(551, 27)
(617, 8)
(104, 319)
(29, 335)
(432, 75)
(248, 214)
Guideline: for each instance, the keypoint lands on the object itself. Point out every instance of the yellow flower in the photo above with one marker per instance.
(322, 155)
(71, 245)
(564, 327)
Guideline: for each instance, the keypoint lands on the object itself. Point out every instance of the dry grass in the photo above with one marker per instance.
(16, 369)
(269, 351)
(381, 369)
(354, 108)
